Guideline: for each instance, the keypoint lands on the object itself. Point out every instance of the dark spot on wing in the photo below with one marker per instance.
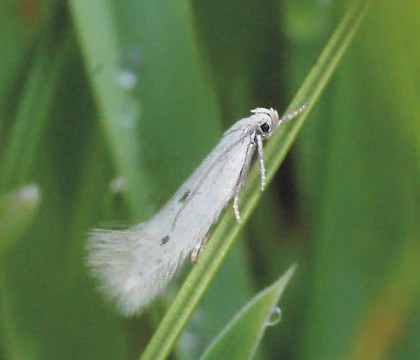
(164, 240)
(184, 197)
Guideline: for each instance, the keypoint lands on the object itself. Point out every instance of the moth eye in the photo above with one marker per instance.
(265, 128)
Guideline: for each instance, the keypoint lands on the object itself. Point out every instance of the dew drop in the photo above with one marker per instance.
(30, 194)
(275, 317)
(118, 185)
(129, 68)
(127, 79)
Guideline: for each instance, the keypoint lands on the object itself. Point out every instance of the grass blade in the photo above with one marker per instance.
(16, 212)
(222, 239)
(31, 118)
(118, 111)
(241, 337)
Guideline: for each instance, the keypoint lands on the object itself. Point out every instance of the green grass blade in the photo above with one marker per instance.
(241, 337)
(223, 237)
(118, 110)
(17, 210)
(20, 28)
(365, 210)
(32, 116)
(391, 309)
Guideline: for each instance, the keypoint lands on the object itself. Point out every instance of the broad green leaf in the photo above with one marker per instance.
(224, 235)
(241, 336)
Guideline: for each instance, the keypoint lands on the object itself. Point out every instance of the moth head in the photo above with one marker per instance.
(267, 121)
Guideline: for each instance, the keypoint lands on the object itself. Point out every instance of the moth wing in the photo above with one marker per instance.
(131, 266)
(134, 266)
(199, 201)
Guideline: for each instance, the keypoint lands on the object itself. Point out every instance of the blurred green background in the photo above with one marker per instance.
(107, 106)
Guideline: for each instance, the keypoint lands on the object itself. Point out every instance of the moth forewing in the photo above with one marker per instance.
(134, 266)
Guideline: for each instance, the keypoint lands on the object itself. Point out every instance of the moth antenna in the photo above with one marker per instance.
(293, 114)
(261, 158)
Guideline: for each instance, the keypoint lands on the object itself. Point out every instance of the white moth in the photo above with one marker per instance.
(134, 266)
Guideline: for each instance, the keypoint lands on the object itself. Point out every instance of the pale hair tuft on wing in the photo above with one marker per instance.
(126, 267)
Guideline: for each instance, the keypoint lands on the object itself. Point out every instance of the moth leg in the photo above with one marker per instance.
(196, 251)
(261, 158)
(241, 178)
(236, 206)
